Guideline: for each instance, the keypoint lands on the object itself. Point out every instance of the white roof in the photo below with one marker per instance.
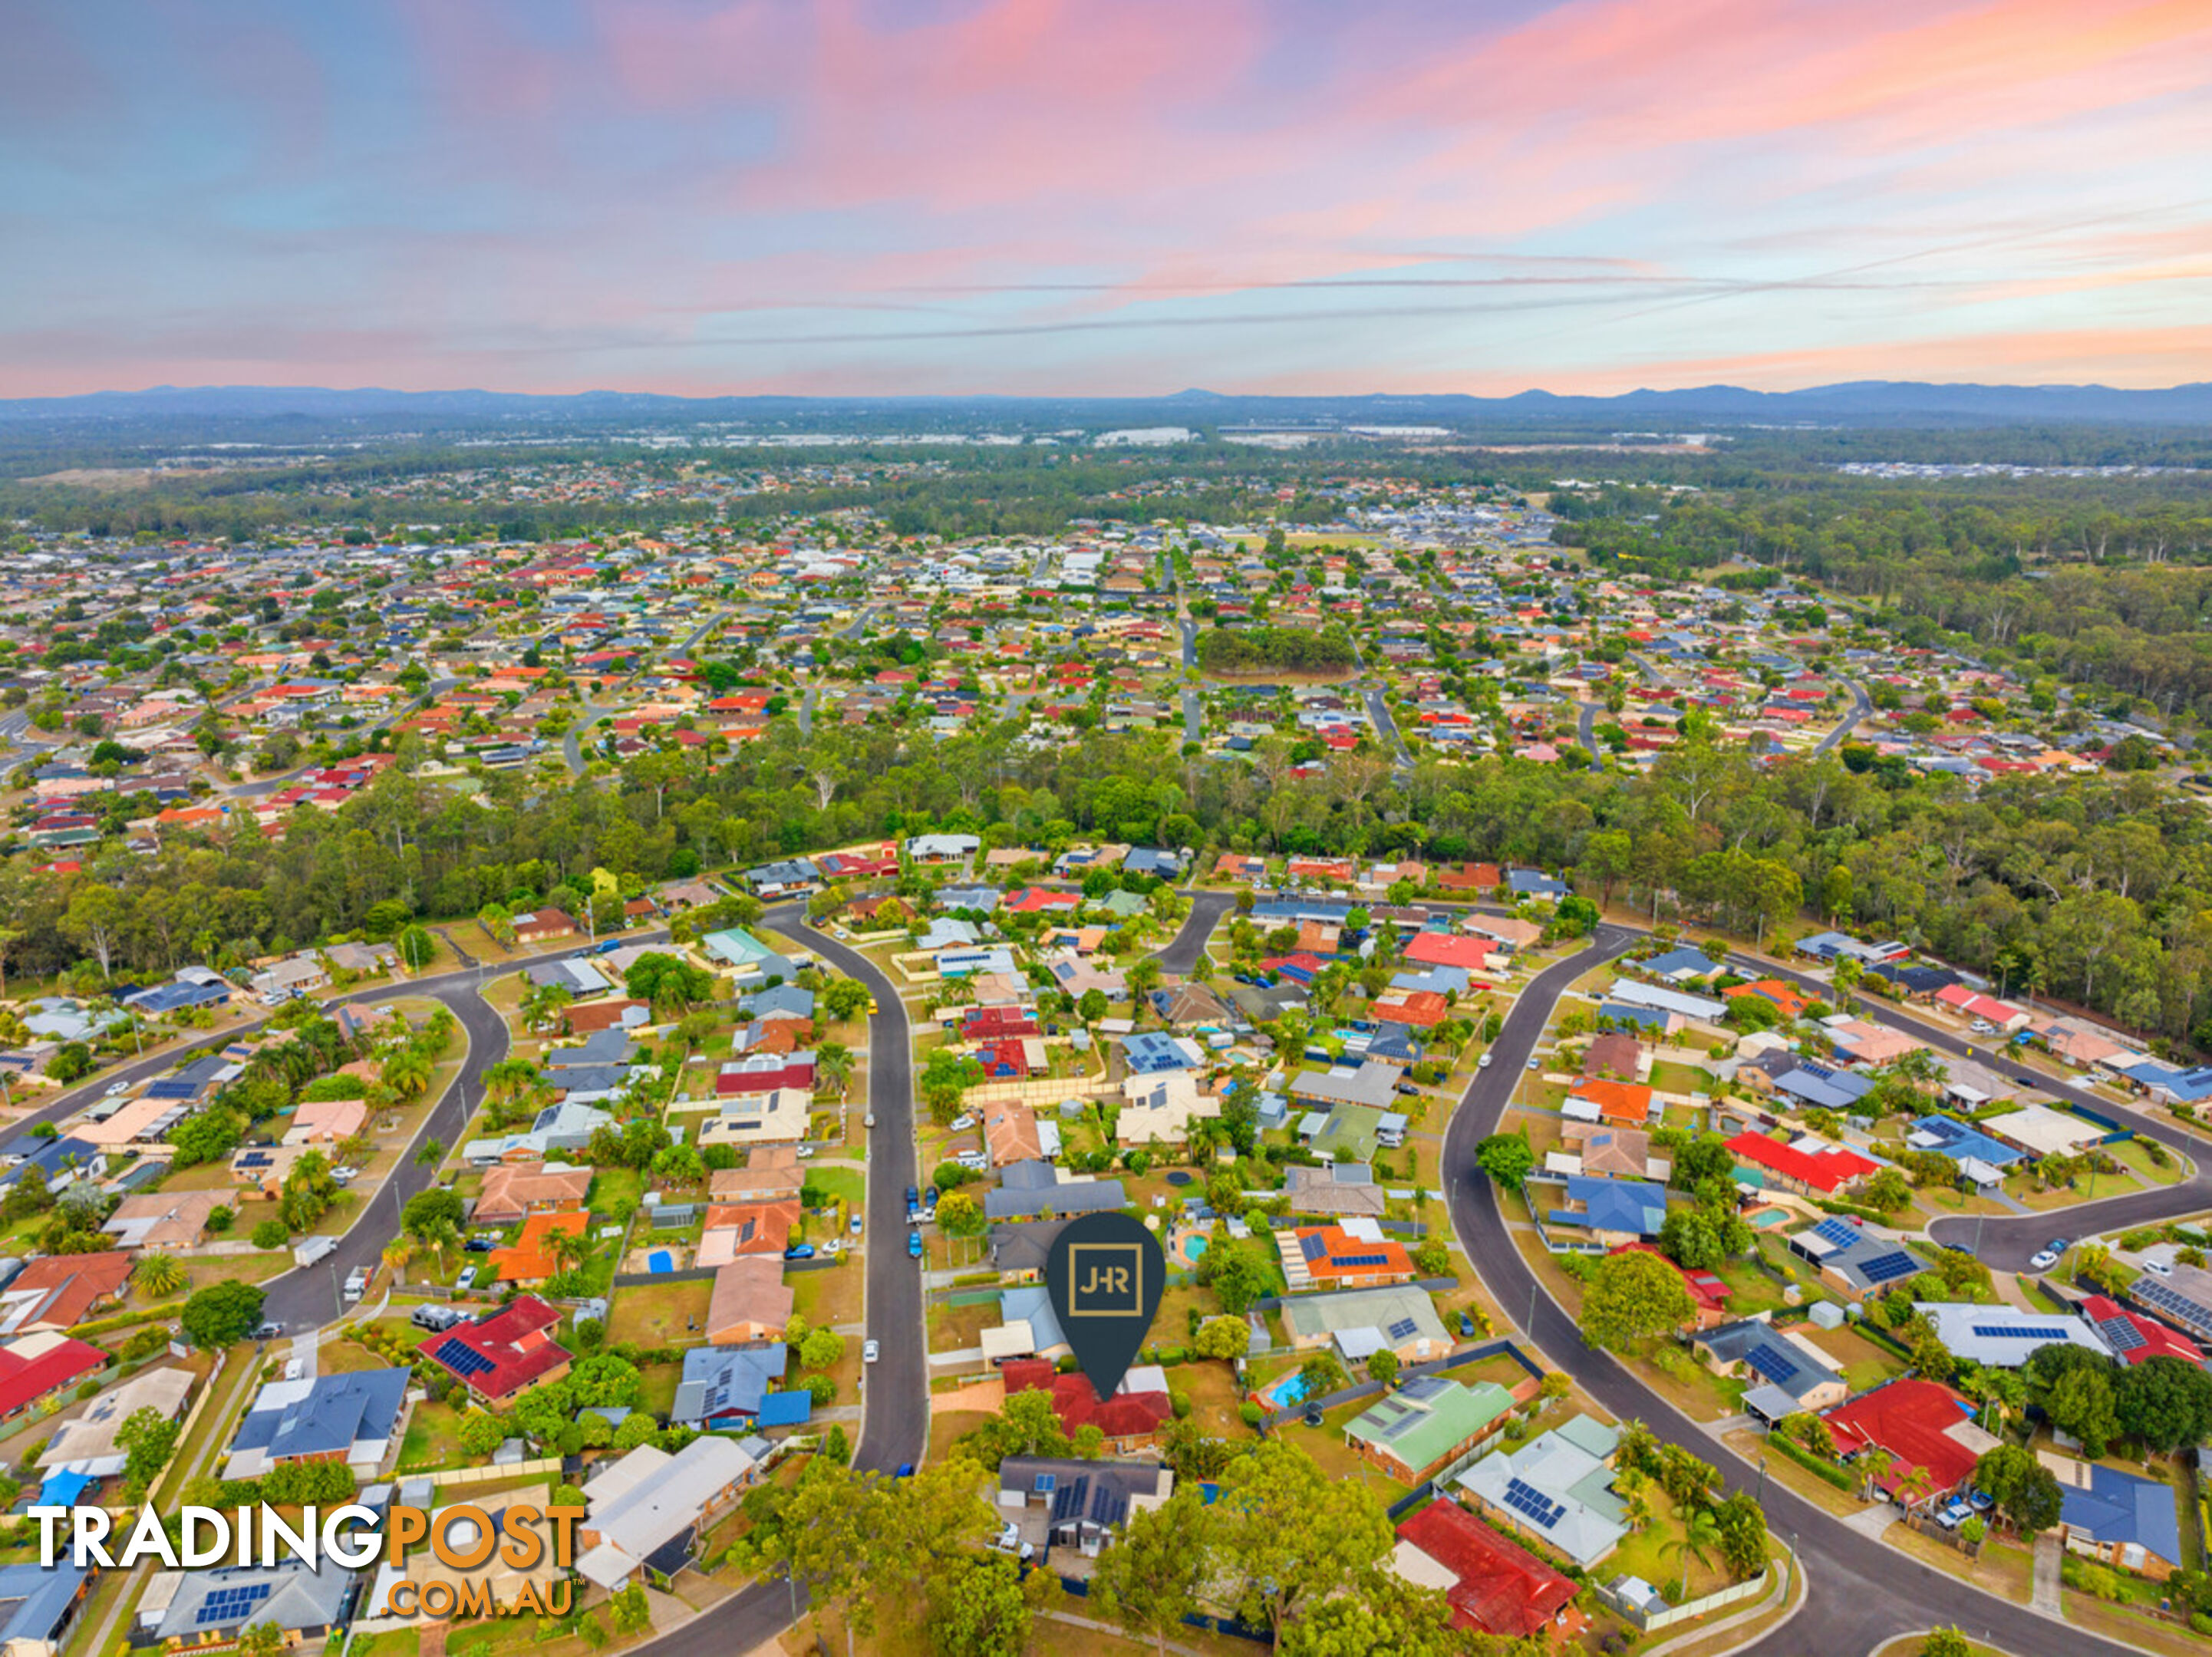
(1634, 994)
(2003, 1337)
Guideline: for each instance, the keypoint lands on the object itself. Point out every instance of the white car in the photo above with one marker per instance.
(114, 1087)
(2158, 1268)
(2048, 1255)
(1536, 1064)
(293, 1368)
(1483, 1062)
(344, 1175)
(869, 1351)
(961, 1121)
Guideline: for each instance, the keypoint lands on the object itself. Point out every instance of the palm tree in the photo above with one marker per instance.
(1700, 1536)
(406, 1072)
(833, 1063)
(398, 1253)
(1634, 1490)
(567, 1248)
(160, 1274)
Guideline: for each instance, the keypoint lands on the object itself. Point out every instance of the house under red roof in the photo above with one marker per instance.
(2149, 1338)
(1919, 1424)
(1501, 1588)
(1449, 950)
(1827, 1170)
(1709, 1292)
(1076, 1403)
(499, 1355)
(39, 1364)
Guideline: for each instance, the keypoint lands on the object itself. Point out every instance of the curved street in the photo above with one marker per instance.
(1860, 1591)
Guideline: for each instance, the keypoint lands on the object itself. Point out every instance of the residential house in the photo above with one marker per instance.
(1854, 1261)
(1625, 1104)
(1791, 1373)
(1557, 1487)
(59, 1291)
(1910, 1435)
(533, 1256)
(1163, 1107)
(1709, 1294)
(2136, 1338)
(1351, 1254)
(1058, 1502)
(40, 1606)
(514, 1191)
(35, 1368)
(751, 1302)
(735, 1230)
(1493, 1586)
(1131, 1419)
(182, 1610)
(1584, 1213)
(771, 1171)
(326, 1121)
(85, 1444)
(161, 1220)
(1806, 1164)
(2119, 1517)
(644, 1515)
(543, 926)
(1027, 1189)
(724, 1388)
(1359, 1322)
(355, 1417)
(1432, 1419)
(1342, 1189)
(497, 1355)
(2004, 1337)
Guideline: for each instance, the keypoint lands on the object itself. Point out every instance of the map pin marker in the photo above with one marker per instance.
(1105, 1273)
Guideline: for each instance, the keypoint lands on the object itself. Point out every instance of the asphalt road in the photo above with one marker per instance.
(1587, 724)
(2005, 1243)
(1183, 950)
(271, 784)
(1379, 710)
(1860, 1592)
(1863, 707)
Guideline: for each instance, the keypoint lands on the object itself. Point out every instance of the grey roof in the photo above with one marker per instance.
(725, 1379)
(1776, 1362)
(651, 1498)
(2003, 1337)
(1558, 1487)
(607, 1046)
(220, 1602)
(1030, 1187)
(1022, 1245)
(1311, 1316)
(35, 1600)
(1372, 1084)
(327, 1416)
(1032, 1303)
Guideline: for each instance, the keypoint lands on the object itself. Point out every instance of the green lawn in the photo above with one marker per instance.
(611, 1186)
(848, 1185)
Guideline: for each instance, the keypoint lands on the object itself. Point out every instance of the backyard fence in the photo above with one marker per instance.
(1648, 1621)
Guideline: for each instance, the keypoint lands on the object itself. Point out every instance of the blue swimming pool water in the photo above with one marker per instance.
(1193, 1246)
(1290, 1391)
(660, 1260)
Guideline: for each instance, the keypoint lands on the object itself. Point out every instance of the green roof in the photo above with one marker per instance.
(1429, 1418)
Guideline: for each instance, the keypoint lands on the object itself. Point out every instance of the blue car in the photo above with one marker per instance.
(800, 1252)
(914, 1245)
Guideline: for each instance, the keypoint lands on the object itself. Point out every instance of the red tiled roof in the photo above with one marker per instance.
(517, 1341)
(2158, 1340)
(1908, 1419)
(1076, 1403)
(1450, 949)
(1825, 1171)
(1503, 1588)
(1707, 1290)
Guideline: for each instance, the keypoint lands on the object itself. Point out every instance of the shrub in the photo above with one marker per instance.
(271, 1234)
(1250, 1413)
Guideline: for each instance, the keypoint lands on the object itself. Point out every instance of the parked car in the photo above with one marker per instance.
(914, 1245)
(856, 1225)
(869, 1351)
(345, 1175)
(800, 1251)
(293, 1368)
(267, 1332)
(1536, 1064)
(2048, 1255)
(468, 1280)
(481, 1245)
(961, 1122)
(913, 1198)
(2158, 1268)
(1483, 1062)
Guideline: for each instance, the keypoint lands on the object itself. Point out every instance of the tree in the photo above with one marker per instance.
(1222, 1339)
(959, 1214)
(271, 1233)
(976, 1607)
(1946, 1642)
(841, 997)
(2081, 1403)
(1701, 1535)
(2163, 1403)
(1290, 1535)
(1234, 1270)
(481, 1432)
(1507, 1158)
(149, 1439)
(1888, 1191)
(1742, 1526)
(2025, 1492)
(159, 1275)
(1384, 1613)
(221, 1314)
(821, 1350)
(1151, 1579)
(1383, 1367)
(1631, 1299)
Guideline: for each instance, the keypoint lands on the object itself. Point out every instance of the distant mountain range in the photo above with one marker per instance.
(1864, 403)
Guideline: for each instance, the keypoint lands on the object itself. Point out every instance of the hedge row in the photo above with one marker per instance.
(1838, 1477)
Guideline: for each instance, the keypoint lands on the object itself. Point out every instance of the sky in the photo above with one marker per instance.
(1103, 196)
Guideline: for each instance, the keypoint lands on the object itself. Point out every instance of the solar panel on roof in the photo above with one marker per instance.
(462, 1359)
(1842, 1233)
(2159, 1297)
(1775, 1365)
(1533, 1504)
(2121, 1335)
(1313, 1247)
(1402, 1330)
(1883, 1267)
(1360, 1260)
(2019, 1332)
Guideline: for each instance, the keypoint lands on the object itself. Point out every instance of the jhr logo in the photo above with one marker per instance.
(1107, 1279)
